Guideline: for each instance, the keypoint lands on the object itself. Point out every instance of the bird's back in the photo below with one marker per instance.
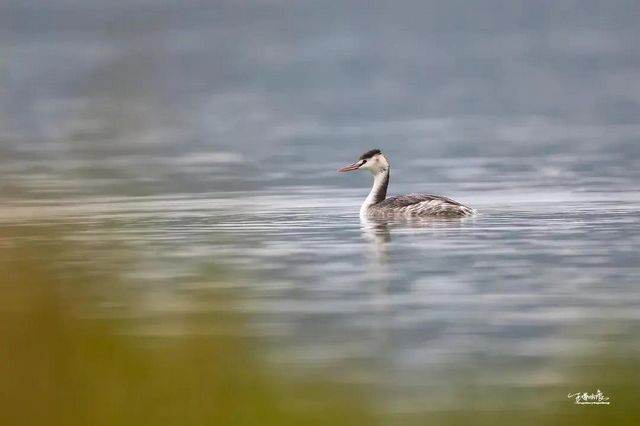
(420, 205)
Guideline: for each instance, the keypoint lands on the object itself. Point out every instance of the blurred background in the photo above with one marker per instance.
(177, 247)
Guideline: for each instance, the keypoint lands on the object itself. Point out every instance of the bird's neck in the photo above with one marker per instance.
(378, 191)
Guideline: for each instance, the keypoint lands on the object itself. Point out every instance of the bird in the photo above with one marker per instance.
(410, 205)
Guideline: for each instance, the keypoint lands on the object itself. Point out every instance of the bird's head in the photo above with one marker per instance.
(373, 161)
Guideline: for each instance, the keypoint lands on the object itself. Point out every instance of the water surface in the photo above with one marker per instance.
(544, 274)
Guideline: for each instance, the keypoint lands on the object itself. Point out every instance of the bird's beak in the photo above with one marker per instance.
(351, 167)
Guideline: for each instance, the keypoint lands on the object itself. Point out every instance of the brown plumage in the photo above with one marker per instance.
(420, 205)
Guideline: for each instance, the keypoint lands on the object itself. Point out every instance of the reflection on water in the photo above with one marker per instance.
(378, 230)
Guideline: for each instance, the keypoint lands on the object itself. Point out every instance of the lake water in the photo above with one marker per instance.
(213, 140)
(540, 277)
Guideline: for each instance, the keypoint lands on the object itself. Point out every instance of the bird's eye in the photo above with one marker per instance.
(364, 161)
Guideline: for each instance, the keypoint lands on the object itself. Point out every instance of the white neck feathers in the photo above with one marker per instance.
(378, 191)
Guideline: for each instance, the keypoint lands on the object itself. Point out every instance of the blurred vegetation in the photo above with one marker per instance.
(63, 362)
(70, 355)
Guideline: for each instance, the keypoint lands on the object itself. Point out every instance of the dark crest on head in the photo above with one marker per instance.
(370, 154)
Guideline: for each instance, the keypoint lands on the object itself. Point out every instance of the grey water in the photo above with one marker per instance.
(210, 135)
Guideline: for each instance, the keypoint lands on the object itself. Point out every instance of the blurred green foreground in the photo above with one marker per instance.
(70, 355)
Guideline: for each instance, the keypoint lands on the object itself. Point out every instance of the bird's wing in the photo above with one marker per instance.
(426, 204)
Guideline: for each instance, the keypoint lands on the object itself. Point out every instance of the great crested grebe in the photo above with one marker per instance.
(376, 204)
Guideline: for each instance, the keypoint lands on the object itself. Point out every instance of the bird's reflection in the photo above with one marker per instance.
(379, 230)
